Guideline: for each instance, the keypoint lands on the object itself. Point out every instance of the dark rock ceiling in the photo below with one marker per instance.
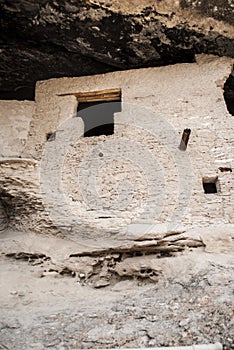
(52, 38)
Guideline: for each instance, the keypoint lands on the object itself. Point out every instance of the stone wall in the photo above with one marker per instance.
(142, 177)
(135, 182)
(15, 117)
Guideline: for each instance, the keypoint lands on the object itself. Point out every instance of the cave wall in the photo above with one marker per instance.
(49, 39)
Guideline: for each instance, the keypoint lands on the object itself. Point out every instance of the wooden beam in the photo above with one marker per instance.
(96, 96)
(184, 139)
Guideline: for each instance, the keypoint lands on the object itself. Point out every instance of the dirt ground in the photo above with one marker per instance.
(192, 302)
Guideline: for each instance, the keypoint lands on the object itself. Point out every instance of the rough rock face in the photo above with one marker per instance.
(43, 39)
(19, 196)
(3, 218)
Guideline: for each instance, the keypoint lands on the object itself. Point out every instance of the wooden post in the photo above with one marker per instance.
(184, 139)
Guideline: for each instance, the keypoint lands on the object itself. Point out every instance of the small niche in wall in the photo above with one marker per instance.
(211, 184)
(97, 111)
(51, 136)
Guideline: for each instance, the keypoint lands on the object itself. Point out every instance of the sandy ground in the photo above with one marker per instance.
(192, 303)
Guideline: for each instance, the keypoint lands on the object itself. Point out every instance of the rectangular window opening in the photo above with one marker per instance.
(210, 184)
(97, 111)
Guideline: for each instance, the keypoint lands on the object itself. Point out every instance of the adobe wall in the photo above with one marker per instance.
(136, 181)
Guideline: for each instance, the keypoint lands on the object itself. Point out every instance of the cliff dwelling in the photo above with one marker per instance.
(116, 181)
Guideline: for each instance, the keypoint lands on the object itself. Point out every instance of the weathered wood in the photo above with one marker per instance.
(184, 139)
(97, 96)
(176, 244)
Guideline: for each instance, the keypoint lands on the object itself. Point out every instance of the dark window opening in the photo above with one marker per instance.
(98, 117)
(229, 93)
(210, 185)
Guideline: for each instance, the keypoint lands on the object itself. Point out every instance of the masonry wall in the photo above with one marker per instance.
(15, 117)
(136, 180)
(126, 186)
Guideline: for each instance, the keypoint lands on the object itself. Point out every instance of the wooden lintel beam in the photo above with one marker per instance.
(95, 96)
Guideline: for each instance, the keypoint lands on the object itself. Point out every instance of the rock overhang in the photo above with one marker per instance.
(48, 39)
